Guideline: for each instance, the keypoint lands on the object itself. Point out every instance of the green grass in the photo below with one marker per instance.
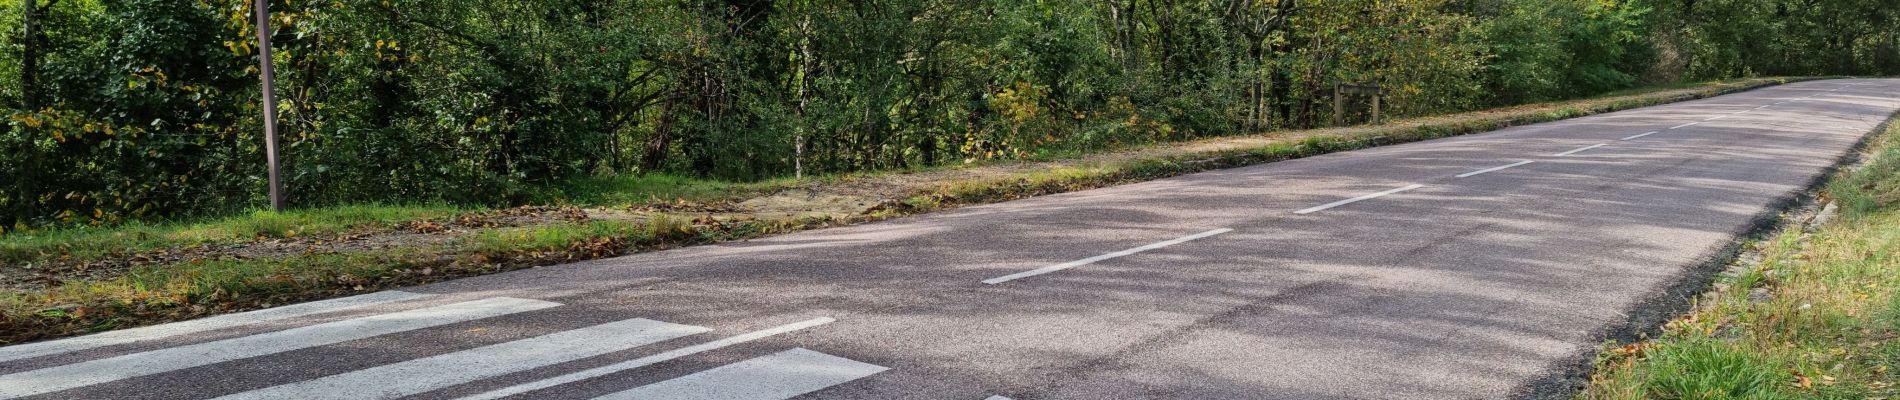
(86, 243)
(199, 287)
(1828, 329)
(548, 238)
(1710, 369)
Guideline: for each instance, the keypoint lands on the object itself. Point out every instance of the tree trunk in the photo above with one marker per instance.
(30, 55)
(804, 96)
(662, 134)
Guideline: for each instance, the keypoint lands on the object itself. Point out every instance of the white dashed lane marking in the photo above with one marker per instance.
(1327, 206)
(1493, 169)
(1580, 149)
(1640, 135)
(1092, 260)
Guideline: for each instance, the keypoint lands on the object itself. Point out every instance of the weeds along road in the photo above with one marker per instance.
(1481, 266)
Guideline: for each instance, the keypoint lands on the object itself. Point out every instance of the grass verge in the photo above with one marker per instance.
(1816, 318)
(97, 242)
(301, 259)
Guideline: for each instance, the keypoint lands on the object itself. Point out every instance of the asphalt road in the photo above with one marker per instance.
(1479, 266)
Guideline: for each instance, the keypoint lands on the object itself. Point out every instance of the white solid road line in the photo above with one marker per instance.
(32, 350)
(1092, 260)
(1685, 125)
(1324, 207)
(997, 398)
(1493, 169)
(778, 376)
(1581, 149)
(431, 373)
(1639, 136)
(648, 360)
(1715, 118)
(93, 372)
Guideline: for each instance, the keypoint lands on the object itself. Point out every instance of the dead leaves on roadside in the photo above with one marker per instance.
(501, 218)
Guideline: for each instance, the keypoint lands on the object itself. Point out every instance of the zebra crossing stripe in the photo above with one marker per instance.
(134, 365)
(33, 350)
(649, 360)
(431, 373)
(778, 376)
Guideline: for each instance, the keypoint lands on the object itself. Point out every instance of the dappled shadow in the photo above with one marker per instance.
(1468, 288)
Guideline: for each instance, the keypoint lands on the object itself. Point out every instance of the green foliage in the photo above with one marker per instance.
(1712, 39)
(150, 106)
(1560, 49)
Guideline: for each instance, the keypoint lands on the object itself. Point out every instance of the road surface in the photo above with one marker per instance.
(1478, 266)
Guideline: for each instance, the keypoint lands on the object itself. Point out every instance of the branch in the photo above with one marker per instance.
(468, 39)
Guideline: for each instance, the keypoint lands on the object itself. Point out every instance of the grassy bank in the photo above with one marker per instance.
(67, 282)
(1818, 316)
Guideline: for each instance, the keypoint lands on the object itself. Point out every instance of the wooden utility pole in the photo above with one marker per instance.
(270, 102)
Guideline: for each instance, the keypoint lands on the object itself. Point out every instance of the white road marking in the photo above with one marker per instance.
(1581, 149)
(32, 350)
(1758, 108)
(1639, 136)
(648, 360)
(176, 358)
(998, 398)
(1492, 169)
(1684, 125)
(431, 373)
(1092, 260)
(1715, 118)
(778, 376)
(1324, 207)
